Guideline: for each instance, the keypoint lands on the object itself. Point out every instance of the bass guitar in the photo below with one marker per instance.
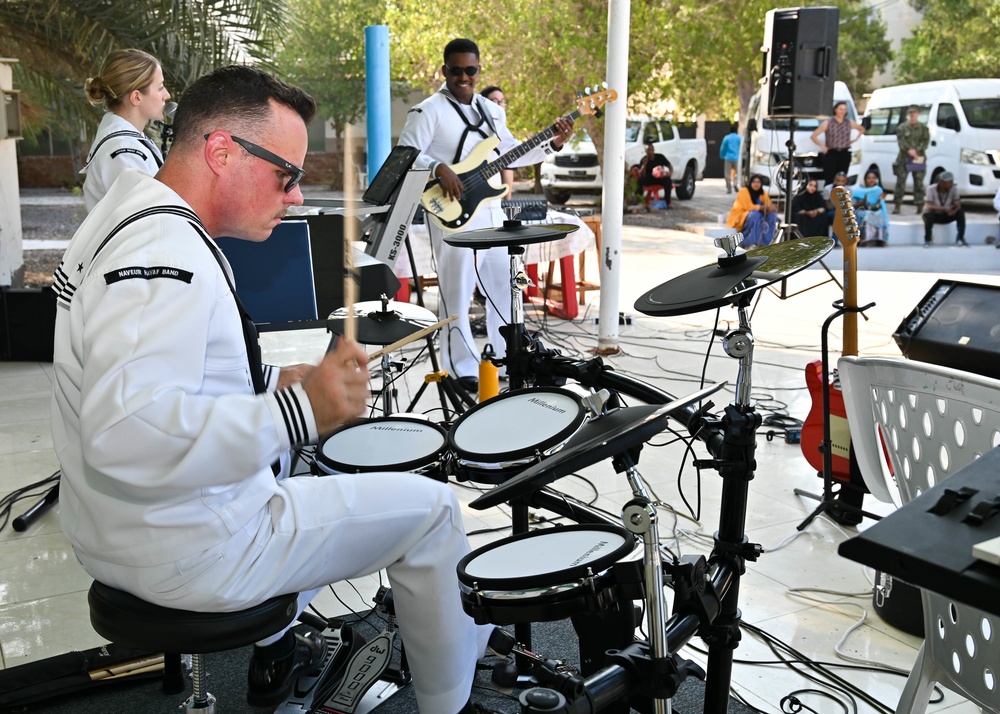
(846, 229)
(475, 171)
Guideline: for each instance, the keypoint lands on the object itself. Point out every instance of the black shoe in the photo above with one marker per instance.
(469, 384)
(270, 678)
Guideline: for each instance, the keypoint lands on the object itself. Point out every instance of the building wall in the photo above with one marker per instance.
(11, 253)
(900, 18)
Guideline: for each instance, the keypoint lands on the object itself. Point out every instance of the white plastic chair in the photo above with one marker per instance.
(934, 421)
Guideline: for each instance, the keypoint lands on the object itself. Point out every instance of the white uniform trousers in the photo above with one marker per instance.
(318, 531)
(456, 269)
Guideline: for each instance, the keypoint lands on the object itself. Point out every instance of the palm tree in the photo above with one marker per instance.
(59, 43)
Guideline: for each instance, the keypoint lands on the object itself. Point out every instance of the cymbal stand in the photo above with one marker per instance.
(515, 342)
(448, 392)
(514, 334)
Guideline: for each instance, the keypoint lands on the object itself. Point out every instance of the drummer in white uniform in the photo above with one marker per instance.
(174, 440)
(446, 127)
(130, 87)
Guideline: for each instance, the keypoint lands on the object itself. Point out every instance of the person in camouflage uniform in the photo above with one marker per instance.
(913, 138)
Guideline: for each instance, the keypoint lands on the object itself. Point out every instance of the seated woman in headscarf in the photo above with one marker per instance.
(753, 214)
(809, 212)
(870, 211)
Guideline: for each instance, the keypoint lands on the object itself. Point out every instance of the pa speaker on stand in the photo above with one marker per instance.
(801, 48)
(800, 67)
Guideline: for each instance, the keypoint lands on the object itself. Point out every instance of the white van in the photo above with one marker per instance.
(765, 143)
(963, 116)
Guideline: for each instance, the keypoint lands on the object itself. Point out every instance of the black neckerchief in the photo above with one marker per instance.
(484, 117)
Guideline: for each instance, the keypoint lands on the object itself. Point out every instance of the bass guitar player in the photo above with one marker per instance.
(446, 127)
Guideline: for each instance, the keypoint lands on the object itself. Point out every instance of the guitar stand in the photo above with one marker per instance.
(831, 502)
(450, 392)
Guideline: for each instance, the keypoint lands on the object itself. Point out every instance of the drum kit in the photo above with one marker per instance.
(540, 431)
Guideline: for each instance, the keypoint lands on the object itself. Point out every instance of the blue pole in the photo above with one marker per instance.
(377, 97)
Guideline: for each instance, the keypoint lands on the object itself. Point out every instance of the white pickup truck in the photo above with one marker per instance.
(575, 169)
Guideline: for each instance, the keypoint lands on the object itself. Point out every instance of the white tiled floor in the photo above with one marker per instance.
(43, 608)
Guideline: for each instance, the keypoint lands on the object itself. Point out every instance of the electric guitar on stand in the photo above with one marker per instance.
(475, 171)
(846, 229)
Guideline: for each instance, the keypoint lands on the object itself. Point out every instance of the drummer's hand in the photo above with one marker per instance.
(293, 374)
(450, 183)
(338, 386)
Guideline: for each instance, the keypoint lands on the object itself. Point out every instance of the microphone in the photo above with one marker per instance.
(22, 522)
(166, 128)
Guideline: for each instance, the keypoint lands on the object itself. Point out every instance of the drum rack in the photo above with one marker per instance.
(646, 674)
(706, 591)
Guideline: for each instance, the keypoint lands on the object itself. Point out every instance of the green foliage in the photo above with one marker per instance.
(955, 38)
(324, 54)
(59, 43)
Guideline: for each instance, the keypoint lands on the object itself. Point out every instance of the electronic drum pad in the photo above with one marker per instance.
(727, 280)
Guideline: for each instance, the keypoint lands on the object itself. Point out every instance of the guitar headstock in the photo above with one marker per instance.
(845, 225)
(594, 99)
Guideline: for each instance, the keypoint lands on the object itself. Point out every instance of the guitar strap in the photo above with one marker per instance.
(484, 118)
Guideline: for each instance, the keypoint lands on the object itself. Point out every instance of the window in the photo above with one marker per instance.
(666, 130)
(632, 129)
(945, 112)
(886, 119)
(982, 113)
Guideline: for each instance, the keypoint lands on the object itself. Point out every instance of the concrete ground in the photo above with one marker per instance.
(43, 608)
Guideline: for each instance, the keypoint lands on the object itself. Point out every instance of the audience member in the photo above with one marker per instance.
(729, 152)
(836, 146)
(913, 139)
(754, 214)
(831, 211)
(870, 212)
(944, 205)
(809, 211)
(655, 170)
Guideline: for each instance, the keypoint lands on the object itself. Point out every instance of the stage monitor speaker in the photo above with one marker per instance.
(801, 47)
(955, 325)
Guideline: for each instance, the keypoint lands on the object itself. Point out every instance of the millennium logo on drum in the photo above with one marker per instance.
(543, 403)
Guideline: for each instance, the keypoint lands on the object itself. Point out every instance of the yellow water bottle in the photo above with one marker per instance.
(489, 379)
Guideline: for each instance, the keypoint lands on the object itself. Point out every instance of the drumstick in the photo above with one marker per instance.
(350, 235)
(410, 338)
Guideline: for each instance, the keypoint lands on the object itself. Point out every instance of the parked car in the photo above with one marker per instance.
(963, 116)
(575, 169)
(765, 144)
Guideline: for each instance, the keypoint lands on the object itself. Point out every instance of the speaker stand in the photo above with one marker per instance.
(789, 230)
